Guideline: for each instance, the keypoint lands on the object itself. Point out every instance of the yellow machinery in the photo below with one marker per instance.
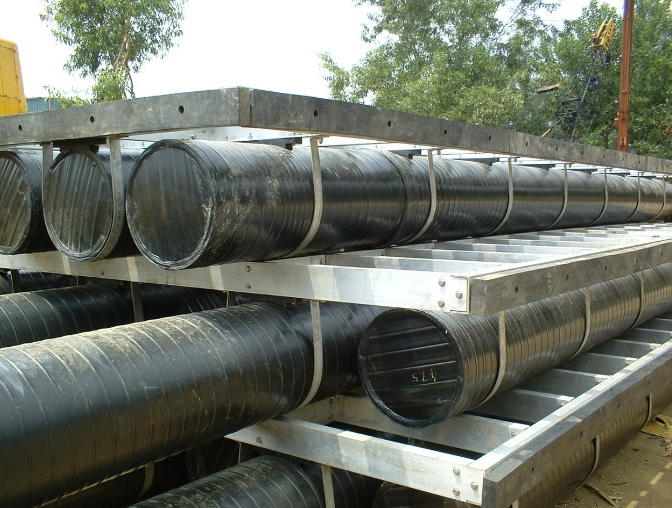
(12, 98)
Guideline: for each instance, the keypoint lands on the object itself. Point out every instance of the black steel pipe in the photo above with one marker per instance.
(31, 281)
(585, 198)
(223, 202)
(621, 201)
(538, 197)
(268, 482)
(84, 408)
(420, 367)
(196, 203)
(78, 203)
(50, 313)
(471, 198)
(22, 226)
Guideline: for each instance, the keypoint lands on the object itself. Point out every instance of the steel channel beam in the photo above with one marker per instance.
(514, 468)
(262, 109)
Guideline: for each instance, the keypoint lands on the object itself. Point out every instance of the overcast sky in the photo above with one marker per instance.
(269, 44)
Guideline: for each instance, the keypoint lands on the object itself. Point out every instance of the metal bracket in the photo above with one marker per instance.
(328, 483)
(509, 207)
(503, 357)
(642, 298)
(586, 333)
(47, 161)
(318, 352)
(565, 199)
(118, 197)
(598, 452)
(17, 286)
(136, 297)
(433, 196)
(606, 199)
(318, 196)
(662, 208)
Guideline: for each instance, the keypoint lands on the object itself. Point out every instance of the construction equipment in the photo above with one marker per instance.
(578, 105)
(12, 98)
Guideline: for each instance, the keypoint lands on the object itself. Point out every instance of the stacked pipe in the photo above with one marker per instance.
(268, 482)
(420, 367)
(84, 408)
(40, 315)
(22, 226)
(568, 474)
(197, 203)
(30, 281)
(79, 204)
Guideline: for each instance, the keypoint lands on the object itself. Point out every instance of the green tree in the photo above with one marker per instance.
(651, 91)
(467, 60)
(113, 38)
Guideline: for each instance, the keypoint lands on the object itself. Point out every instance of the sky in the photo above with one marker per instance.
(267, 44)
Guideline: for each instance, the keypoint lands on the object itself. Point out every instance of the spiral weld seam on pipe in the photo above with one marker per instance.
(84, 408)
(50, 313)
(197, 203)
(22, 228)
(78, 203)
(268, 482)
(420, 367)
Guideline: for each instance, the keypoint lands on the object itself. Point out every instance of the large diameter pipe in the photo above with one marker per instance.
(268, 482)
(223, 202)
(22, 226)
(79, 204)
(472, 198)
(84, 408)
(420, 367)
(51, 313)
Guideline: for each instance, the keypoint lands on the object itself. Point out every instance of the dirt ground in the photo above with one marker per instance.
(639, 475)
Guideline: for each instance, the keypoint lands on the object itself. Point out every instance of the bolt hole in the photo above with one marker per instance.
(516, 290)
(606, 268)
(445, 131)
(20, 128)
(389, 123)
(316, 113)
(489, 138)
(92, 119)
(527, 143)
(581, 434)
(566, 277)
(180, 108)
(532, 471)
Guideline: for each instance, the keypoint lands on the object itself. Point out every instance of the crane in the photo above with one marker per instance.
(577, 108)
(623, 116)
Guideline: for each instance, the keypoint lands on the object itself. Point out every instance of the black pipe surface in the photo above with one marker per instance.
(197, 203)
(22, 228)
(84, 408)
(50, 313)
(268, 482)
(78, 203)
(420, 367)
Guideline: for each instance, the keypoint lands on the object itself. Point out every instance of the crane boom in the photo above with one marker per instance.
(623, 116)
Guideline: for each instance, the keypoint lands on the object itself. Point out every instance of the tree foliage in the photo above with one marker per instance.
(111, 39)
(482, 61)
(466, 60)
